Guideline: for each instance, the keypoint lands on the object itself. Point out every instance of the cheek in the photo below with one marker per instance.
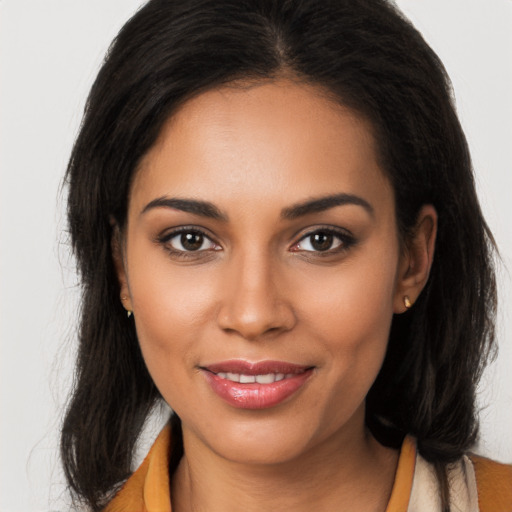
(354, 301)
(350, 313)
(171, 311)
(164, 294)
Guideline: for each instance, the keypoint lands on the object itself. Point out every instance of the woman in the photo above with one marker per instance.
(255, 199)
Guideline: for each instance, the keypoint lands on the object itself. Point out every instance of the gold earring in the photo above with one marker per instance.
(407, 302)
(128, 312)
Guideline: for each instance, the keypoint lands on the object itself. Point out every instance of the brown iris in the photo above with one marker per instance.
(192, 241)
(321, 241)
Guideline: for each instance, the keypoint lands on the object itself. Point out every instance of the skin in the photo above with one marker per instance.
(257, 290)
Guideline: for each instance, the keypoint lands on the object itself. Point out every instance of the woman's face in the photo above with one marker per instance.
(262, 263)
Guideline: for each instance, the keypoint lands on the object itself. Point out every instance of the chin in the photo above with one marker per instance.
(263, 450)
(263, 440)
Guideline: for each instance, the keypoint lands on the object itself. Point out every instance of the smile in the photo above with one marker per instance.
(261, 385)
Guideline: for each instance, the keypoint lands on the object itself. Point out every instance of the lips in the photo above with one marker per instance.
(261, 385)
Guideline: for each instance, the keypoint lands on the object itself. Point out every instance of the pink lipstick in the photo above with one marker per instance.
(259, 385)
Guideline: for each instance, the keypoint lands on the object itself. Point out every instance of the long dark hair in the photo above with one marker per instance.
(369, 58)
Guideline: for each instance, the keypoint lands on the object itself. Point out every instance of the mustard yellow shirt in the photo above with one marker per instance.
(485, 485)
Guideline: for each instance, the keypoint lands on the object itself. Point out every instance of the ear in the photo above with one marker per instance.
(416, 260)
(120, 266)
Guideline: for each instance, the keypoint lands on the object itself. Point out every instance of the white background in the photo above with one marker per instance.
(50, 52)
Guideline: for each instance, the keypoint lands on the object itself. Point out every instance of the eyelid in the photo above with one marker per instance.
(169, 233)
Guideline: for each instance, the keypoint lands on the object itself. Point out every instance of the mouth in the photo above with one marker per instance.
(261, 385)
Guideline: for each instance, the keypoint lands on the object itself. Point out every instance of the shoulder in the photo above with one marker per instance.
(494, 484)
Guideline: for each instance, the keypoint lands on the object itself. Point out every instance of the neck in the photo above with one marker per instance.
(348, 467)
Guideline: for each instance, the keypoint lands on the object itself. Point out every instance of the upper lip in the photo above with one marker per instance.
(256, 368)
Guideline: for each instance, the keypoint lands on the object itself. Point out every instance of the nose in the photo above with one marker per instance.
(254, 301)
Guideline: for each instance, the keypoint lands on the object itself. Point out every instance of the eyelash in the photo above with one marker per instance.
(345, 239)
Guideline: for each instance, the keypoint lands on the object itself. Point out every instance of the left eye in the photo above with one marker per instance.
(320, 241)
(189, 241)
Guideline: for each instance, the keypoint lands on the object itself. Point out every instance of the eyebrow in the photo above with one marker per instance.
(325, 203)
(209, 210)
(202, 208)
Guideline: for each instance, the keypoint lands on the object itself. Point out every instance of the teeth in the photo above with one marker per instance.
(267, 378)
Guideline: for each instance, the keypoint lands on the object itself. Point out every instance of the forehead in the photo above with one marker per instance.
(274, 140)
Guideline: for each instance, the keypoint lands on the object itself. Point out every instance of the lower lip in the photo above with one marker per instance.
(254, 395)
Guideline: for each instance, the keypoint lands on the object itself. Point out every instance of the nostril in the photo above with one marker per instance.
(252, 327)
